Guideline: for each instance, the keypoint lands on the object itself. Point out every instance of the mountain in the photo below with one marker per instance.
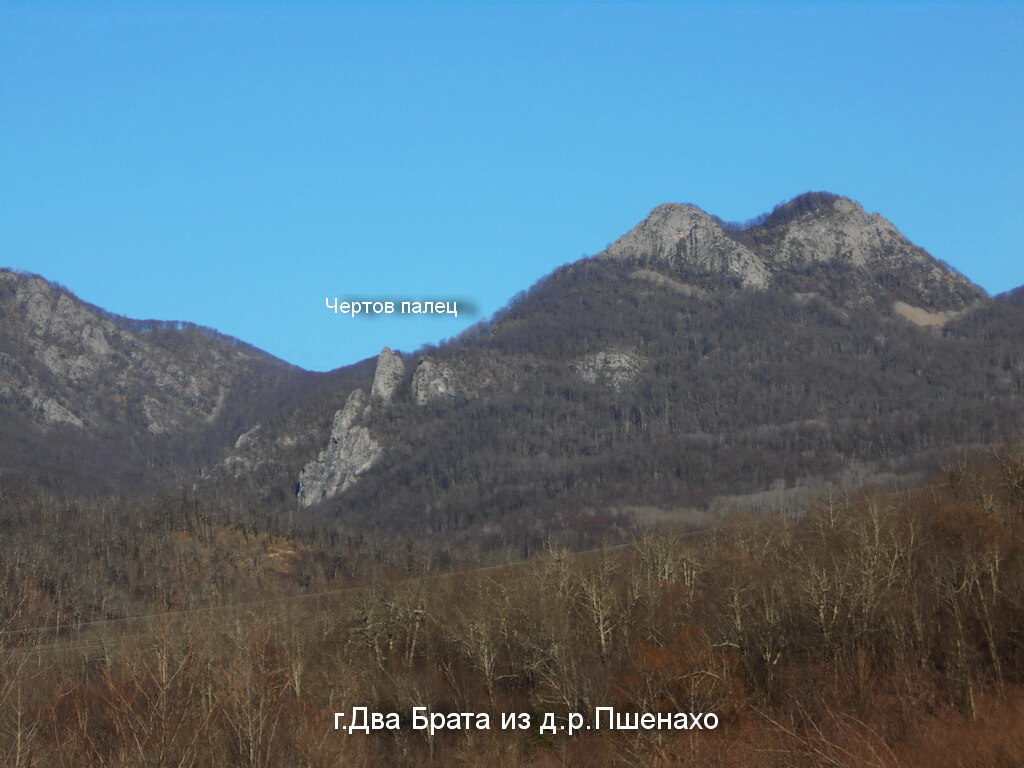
(817, 241)
(92, 398)
(690, 360)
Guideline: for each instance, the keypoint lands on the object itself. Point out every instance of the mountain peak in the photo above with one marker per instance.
(682, 238)
(810, 204)
(818, 233)
(822, 229)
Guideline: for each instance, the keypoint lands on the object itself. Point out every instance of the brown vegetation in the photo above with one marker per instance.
(882, 629)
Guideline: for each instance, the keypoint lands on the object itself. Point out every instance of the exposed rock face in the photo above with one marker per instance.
(615, 367)
(49, 410)
(67, 364)
(350, 452)
(248, 438)
(262, 452)
(675, 235)
(839, 231)
(812, 231)
(389, 375)
(432, 380)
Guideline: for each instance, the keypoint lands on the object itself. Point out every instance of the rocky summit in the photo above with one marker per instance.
(797, 239)
(683, 238)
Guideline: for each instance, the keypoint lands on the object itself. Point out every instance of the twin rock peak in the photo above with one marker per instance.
(352, 449)
(814, 230)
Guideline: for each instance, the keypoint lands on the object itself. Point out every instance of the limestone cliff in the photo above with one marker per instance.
(140, 400)
(432, 380)
(351, 451)
(814, 238)
(389, 375)
(820, 229)
(683, 237)
(615, 368)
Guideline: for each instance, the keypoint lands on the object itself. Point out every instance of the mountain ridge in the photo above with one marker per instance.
(98, 383)
(691, 359)
(664, 376)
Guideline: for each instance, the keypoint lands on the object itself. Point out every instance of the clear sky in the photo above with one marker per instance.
(234, 163)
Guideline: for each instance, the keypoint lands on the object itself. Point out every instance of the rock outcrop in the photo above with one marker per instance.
(815, 233)
(350, 452)
(82, 367)
(818, 229)
(432, 380)
(683, 237)
(615, 368)
(389, 375)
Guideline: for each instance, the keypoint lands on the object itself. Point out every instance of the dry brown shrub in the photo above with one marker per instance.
(994, 739)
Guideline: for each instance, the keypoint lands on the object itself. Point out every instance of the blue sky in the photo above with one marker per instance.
(233, 163)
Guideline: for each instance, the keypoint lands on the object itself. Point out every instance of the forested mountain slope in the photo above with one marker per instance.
(89, 399)
(692, 358)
